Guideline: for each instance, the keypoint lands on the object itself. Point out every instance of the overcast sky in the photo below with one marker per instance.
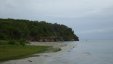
(90, 19)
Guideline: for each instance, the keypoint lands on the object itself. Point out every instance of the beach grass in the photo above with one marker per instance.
(9, 52)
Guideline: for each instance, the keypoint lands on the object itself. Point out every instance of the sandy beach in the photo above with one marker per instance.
(42, 58)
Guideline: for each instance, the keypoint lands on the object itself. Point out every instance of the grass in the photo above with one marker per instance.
(9, 52)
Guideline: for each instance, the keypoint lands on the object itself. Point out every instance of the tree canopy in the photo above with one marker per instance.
(17, 29)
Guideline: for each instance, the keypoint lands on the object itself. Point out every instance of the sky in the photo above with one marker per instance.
(90, 19)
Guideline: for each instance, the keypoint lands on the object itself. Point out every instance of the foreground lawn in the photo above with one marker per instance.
(8, 52)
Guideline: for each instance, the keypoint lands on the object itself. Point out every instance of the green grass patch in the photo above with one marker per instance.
(13, 42)
(8, 52)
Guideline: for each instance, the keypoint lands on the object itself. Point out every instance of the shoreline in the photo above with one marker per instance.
(53, 44)
(40, 57)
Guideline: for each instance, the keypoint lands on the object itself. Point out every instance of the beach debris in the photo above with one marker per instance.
(30, 61)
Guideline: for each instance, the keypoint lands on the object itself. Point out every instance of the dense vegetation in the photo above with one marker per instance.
(19, 29)
(18, 32)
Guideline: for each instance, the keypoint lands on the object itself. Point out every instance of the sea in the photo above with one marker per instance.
(88, 52)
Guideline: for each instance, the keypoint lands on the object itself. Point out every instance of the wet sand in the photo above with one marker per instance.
(43, 58)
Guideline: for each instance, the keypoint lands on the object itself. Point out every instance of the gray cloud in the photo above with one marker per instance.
(91, 19)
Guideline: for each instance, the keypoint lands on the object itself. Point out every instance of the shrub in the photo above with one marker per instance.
(12, 42)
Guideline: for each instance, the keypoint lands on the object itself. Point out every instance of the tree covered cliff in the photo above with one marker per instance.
(17, 29)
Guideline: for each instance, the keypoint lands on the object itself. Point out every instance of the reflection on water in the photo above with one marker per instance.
(86, 52)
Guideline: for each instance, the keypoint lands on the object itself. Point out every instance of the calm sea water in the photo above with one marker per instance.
(88, 52)
(83, 52)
